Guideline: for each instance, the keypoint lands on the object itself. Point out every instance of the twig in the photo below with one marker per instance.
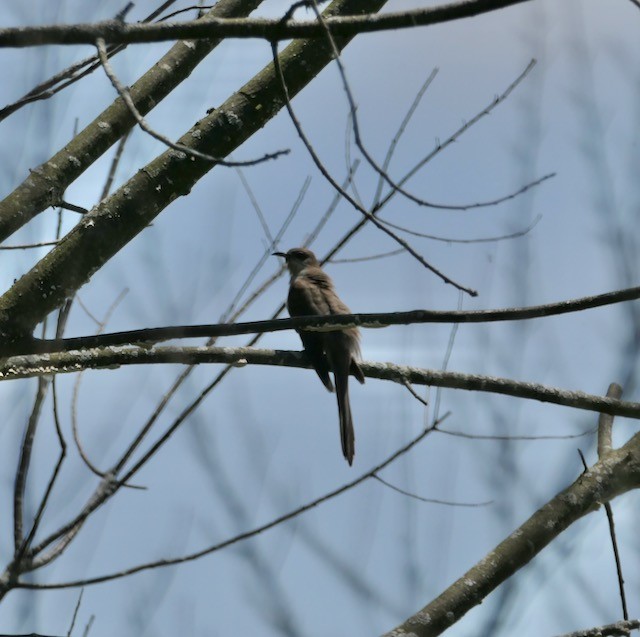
(243, 536)
(605, 425)
(344, 193)
(400, 132)
(105, 475)
(373, 257)
(273, 243)
(503, 237)
(24, 463)
(430, 500)
(415, 394)
(63, 317)
(75, 613)
(114, 166)
(616, 555)
(619, 629)
(28, 246)
(382, 171)
(70, 75)
(124, 93)
(87, 628)
(255, 204)
(194, 7)
(462, 434)
(70, 206)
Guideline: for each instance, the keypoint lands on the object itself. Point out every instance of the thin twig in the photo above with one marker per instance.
(28, 246)
(344, 193)
(22, 471)
(124, 93)
(75, 613)
(273, 243)
(114, 166)
(605, 425)
(243, 536)
(619, 629)
(432, 237)
(71, 206)
(76, 394)
(87, 628)
(616, 555)
(373, 257)
(463, 434)
(401, 130)
(415, 394)
(63, 317)
(431, 500)
(380, 170)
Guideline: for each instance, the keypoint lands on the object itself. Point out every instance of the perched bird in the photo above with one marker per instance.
(311, 293)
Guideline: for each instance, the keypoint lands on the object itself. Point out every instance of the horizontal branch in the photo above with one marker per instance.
(109, 358)
(325, 323)
(115, 31)
(619, 629)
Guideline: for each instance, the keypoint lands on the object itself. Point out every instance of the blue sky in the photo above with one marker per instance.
(267, 439)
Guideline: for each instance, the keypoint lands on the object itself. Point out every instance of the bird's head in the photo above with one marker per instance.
(298, 259)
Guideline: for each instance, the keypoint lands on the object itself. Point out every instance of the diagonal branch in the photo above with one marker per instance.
(617, 474)
(46, 183)
(115, 221)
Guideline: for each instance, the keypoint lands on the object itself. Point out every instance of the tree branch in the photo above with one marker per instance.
(322, 323)
(108, 358)
(46, 183)
(114, 31)
(608, 478)
(115, 221)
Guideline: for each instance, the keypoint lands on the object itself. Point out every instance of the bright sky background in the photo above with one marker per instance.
(267, 440)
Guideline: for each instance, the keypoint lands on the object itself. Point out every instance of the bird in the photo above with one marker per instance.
(312, 293)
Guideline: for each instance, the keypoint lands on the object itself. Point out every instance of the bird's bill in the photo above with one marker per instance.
(279, 254)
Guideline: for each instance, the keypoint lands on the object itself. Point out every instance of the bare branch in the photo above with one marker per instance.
(601, 483)
(107, 358)
(368, 216)
(271, 30)
(325, 323)
(25, 461)
(243, 536)
(126, 213)
(123, 91)
(47, 182)
(619, 629)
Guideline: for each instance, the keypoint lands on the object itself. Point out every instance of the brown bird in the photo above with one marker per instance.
(311, 293)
